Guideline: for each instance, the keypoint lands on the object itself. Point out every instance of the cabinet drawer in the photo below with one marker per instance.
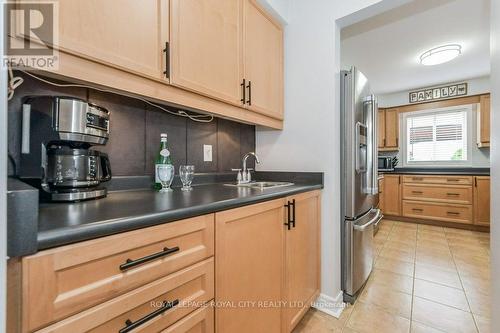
(72, 278)
(450, 180)
(184, 291)
(441, 193)
(199, 321)
(440, 212)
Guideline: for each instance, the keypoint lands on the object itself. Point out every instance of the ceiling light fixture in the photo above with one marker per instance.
(440, 54)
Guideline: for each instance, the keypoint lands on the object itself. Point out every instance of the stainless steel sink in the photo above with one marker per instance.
(262, 185)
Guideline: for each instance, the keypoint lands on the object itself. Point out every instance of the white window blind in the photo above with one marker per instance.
(439, 136)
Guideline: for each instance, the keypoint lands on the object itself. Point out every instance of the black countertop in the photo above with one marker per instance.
(441, 171)
(65, 223)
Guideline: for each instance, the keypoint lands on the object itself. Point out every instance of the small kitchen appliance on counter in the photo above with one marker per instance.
(56, 156)
(387, 163)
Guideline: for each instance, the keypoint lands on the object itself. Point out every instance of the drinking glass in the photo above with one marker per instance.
(186, 173)
(165, 174)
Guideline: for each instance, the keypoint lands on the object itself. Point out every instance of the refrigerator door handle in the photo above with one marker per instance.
(374, 220)
(374, 144)
(361, 148)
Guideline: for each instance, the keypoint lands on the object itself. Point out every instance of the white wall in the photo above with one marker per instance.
(279, 8)
(310, 140)
(495, 160)
(476, 86)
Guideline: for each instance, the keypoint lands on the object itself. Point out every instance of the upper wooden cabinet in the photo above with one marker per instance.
(381, 128)
(482, 200)
(127, 34)
(388, 127)
(483, 121)
(263, 59)
(206, 47)
(302, 256)
(224, 57)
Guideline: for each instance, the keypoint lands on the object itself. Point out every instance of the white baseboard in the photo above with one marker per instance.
(329, 305)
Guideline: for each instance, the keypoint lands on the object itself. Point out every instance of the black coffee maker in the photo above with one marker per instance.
(56, 156)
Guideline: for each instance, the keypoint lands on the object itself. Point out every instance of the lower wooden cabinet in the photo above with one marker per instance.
(392, 195)
(457, 199)
(79, 276)
(199, 321)
(482, 200)
(302, 257)
(249, 245)
(150, 308)
(381, 194)
(268, 264)
(264, 276)
(438, 211)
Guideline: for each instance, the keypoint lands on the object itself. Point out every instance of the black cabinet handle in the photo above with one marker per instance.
(288, 217)
(132, 325)
(244, 91)
(290, 212)
(249, 86)
(131, 263)
(166, 50)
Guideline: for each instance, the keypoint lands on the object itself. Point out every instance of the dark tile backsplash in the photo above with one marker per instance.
(135, 133)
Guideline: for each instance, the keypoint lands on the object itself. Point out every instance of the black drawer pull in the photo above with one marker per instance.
(452, 213)
(453, 180)
(132, 325)
(453, 194)
(293, 212)
(131, 263)
(417, 209)
(417, 192)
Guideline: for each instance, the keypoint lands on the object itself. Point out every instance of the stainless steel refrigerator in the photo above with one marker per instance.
(359, 178)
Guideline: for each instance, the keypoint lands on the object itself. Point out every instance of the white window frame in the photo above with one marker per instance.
(446, 164)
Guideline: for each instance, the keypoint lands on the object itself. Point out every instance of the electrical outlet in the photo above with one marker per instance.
(207, 153)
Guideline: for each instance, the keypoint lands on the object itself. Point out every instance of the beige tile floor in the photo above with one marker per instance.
(426, 279)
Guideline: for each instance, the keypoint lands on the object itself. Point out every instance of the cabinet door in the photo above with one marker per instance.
(249, 254)
(263, 45)
(127, 34)
(391, 128)
(392, 195)
(482, 200)
(381, 195)
(483, 121)
(381, 128)
(302, 255)
(205, 47)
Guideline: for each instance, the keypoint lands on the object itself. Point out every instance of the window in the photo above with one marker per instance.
(437, 137)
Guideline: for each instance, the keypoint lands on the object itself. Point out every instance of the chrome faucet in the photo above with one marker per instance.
(244, 175)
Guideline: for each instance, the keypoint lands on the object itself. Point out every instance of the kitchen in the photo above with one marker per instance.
(210, 208)
(430, 140)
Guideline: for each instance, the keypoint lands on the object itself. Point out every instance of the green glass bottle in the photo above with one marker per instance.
(163, 157)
